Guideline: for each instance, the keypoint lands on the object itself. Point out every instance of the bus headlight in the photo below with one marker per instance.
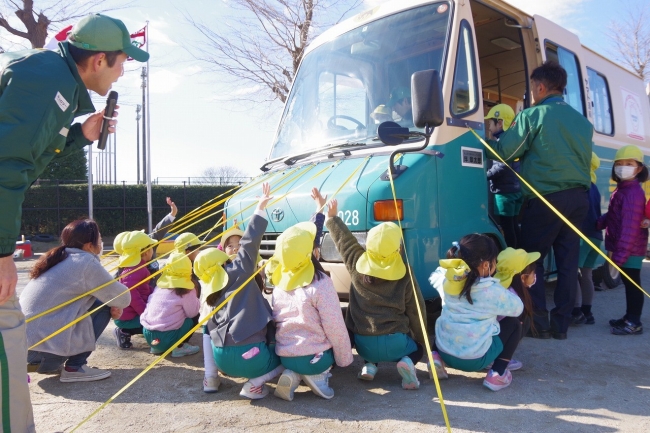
(328, 251)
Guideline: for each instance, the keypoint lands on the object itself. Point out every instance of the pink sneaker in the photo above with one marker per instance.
(495, 382)
(439, 367)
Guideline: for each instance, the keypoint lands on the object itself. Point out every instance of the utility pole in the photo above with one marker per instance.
(137, 138)
(144, 124)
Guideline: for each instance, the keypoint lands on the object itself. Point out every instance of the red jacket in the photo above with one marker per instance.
(624, 236)
(140, 291)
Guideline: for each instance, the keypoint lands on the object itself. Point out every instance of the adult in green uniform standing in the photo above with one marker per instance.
(41, 92)
(554, 143)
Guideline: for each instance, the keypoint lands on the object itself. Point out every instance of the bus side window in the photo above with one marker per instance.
(599, 93)
(464, 99)
(573, 91)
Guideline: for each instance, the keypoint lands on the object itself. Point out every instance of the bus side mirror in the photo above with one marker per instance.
(426, 95)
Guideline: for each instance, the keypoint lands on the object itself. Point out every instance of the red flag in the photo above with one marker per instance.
(53, 43)
(139, 38)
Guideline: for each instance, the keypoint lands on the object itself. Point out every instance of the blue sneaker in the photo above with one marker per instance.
(368, 372)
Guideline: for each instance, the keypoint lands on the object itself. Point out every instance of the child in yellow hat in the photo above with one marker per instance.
(468, 335)
(382, 314)
(135, 250)
(242, 330)
(311, 334)
(625, 238)
(171, 307)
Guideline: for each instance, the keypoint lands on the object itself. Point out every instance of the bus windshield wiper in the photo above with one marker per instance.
(295, 158)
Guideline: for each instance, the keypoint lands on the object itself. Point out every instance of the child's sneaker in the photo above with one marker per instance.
(319, 384)
(253, 392)
(367, 372)
(287, 384)
(406, 369)
(578, 319)
(495, 382)
(84, 374)
(155, 352)
(628, 328)
(590, 319)
(184, 350)
(439, 366)
(123, 339)
(514, 365)
(211, 384)
(618, 322)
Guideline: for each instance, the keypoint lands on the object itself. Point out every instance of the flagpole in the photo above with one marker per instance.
(148, 144)
(90, 181)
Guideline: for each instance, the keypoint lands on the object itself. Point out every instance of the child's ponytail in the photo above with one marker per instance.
(474, 249)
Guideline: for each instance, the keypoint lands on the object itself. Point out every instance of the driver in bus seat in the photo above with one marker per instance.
(400, 103)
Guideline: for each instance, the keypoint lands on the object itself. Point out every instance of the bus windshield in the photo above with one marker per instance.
(346, 87)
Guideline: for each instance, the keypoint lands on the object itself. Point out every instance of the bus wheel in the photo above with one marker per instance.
(608, 275)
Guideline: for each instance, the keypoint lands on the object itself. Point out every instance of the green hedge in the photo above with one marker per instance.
(49, 208)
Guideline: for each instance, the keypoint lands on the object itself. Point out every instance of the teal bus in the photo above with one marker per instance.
(358, 73)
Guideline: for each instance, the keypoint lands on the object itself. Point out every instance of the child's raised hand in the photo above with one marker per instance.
(332, 208)
(172, 205)
(265, 197)
(319, 199)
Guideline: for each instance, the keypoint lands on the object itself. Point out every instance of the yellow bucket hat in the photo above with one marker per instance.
(629, 152)
(511, 262)
(457, 271)
(185, 241)
(177, 274)
(293, 251)
(502, 112)
(129, 246)
(208, 266)
(382, 258)
(595, 163)
(235, 231)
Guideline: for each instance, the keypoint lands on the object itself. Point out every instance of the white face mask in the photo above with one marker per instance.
(624, 172)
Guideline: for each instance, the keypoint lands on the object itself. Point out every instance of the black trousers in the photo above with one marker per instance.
(541, 230)
(633, 297)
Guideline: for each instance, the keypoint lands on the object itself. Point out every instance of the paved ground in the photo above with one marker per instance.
(592, 382)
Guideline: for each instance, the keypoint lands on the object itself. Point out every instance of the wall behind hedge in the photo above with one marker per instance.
(49, 208)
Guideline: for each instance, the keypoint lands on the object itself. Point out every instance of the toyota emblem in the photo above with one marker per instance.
(277, 215)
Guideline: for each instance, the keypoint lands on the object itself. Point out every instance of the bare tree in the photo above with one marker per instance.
(263, 45)
(37, 19)
(222, 175)
(631, 38)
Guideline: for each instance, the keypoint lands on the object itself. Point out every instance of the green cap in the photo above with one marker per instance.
(101, 33)
(398, 94)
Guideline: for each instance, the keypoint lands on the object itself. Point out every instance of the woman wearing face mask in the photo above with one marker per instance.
(468, 335)
(62, 274)
(625, 239)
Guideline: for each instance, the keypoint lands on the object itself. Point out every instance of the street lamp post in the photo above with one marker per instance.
(137, 137)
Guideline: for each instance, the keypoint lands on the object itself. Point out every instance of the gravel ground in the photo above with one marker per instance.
(592, 382)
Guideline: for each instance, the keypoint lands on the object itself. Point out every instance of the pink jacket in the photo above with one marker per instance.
(139, 291)
(166, 311)
(309, 321)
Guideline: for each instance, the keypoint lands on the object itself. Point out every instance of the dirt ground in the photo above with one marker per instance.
(592, 382)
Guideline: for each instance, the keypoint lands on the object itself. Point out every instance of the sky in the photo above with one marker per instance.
(194, 127)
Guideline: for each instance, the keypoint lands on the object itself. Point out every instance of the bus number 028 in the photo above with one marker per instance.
(349, 217)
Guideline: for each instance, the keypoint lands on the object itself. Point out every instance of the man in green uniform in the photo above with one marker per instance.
(554, 143)
(41, 92)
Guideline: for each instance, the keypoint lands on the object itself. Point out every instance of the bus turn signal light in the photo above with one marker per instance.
(384, 210)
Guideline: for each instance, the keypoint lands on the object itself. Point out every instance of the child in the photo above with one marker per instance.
(242, 331)
(311, 333)
(468, 335)
(170, 308)
(208, 266)
(516, 270)
(585, 290)
(625, 240)
(135, 250)
(382, 313)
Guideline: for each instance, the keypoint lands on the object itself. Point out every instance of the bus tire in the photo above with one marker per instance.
(610, 276)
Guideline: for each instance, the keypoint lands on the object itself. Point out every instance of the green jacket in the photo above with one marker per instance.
(554, 143)
(41, 92)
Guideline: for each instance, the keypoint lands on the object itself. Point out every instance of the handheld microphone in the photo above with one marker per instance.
(111, 102)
